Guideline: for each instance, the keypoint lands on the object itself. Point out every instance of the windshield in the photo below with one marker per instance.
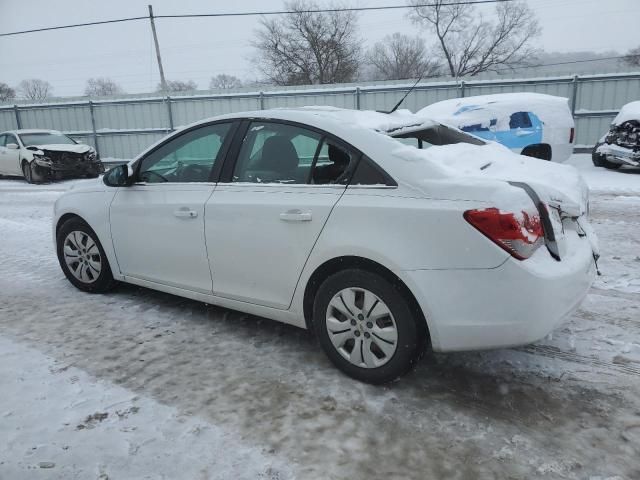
(436, 135)
(45, 138)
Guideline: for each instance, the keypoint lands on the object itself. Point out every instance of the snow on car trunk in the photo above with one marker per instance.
(559, 187)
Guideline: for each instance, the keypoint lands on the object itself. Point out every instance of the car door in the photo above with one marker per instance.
(9, 157)
(157, 223)
(269, 209)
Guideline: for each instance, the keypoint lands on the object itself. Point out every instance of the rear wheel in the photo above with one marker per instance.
(82, 258)
(366, 326)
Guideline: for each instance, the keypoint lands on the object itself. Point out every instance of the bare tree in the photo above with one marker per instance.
(632, 57)
(400, 56)
(224, 81)
(469, 45)
(307, 47)
(6, 92)
(102, 87)
(179, 86)
(35, 89)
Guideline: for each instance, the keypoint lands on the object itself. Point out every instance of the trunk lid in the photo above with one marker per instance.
(558, 191)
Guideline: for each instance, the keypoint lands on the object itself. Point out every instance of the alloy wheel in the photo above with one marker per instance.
(82, 256)
(361, 327)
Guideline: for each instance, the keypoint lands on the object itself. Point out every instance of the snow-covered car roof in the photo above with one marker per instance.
(483, 109)
(631, 111)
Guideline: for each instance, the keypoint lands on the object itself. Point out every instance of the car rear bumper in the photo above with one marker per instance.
(516, 303)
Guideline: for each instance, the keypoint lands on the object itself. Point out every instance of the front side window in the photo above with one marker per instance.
(45, 138)
(187, 158)
(2, 140)
(520, 120)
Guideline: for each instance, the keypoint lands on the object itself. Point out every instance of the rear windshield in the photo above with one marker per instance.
(45, 139)
(436, 135)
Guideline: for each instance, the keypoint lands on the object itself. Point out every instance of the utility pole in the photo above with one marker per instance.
(163, 82)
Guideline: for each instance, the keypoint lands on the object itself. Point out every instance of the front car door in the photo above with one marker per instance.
(9, 157)
(157, 224)
(268, 210)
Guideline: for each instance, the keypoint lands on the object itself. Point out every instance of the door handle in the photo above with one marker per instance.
(185, 213)
(524, 133)
(295, 216)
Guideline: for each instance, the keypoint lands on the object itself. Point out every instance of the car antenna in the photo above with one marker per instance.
(405, 96)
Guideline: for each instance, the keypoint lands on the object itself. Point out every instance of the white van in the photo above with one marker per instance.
(531, 124)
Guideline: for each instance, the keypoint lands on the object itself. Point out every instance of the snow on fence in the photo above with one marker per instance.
(121, 128)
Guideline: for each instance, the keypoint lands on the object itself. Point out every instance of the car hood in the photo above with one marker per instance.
(54, 147)
(631, 111)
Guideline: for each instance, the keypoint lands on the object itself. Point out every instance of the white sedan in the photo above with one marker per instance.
(383, 233)
(42, 155)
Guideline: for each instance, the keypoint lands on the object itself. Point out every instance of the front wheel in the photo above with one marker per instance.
(82, 258)
(366, 326)
(601, 160)
(27, 172)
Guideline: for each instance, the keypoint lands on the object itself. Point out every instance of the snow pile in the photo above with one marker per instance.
(631, 111)
(561, 183)
(482, 109)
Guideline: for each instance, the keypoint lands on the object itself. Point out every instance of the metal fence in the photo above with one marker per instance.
(121, 128)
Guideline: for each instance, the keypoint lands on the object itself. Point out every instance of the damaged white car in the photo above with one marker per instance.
(44, 155)
(621, 145)
(383, 233)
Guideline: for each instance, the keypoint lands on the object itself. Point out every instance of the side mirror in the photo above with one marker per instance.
(118, 176)
(12, 146)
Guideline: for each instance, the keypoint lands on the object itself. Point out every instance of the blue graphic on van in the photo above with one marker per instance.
(525, 128)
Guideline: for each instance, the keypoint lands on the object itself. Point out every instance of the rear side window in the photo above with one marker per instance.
(2, 140)
(520, 120)
(282, 153)
(368, 173)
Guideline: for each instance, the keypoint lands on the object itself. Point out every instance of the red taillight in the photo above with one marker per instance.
(572, 134)
(520, 235)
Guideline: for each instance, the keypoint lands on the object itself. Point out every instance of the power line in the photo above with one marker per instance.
(102, 22)
(330, 10)
(255, 13)
(568, 62)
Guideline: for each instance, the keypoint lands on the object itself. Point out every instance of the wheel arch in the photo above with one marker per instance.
(337, 264)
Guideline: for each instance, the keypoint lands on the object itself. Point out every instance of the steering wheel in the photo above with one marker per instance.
(193, 173)
(148, 173)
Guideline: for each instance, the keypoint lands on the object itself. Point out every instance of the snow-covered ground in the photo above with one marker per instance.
(140, 384)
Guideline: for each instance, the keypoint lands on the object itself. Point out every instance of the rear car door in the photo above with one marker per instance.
(157, 224)
(269, 209)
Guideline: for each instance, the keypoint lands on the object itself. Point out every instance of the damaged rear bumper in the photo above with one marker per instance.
(620, 155)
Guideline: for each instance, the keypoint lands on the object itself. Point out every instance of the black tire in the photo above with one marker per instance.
(601, 161)
(541, 152)
(102, 282)
(27, 172)
(411, 338)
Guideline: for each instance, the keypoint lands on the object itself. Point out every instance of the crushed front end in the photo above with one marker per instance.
(622, 144)
(56, 165)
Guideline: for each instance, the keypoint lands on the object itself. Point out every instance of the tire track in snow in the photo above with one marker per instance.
(554, 352)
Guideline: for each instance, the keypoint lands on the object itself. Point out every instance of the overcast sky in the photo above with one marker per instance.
(199, 48)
